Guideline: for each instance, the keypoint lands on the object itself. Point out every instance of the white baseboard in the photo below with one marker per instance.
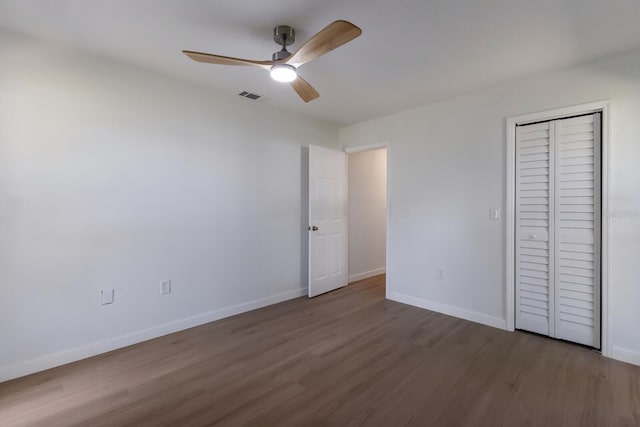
(450, 310)
(625, 355)
(367, 274)
(92, 349)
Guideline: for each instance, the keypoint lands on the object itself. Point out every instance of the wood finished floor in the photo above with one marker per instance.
(346, 358)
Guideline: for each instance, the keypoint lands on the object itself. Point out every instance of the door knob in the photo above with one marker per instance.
(314, 228)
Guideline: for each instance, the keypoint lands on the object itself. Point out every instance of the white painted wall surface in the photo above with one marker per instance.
(447, 169)
(116, 177)
(367, 213)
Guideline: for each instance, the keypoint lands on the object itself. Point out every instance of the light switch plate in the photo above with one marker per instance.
(165, 287)
(107, 296)
(494, 213)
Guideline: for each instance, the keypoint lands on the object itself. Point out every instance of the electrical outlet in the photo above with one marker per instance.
(440, 273)
(165, 287)
(107, 296)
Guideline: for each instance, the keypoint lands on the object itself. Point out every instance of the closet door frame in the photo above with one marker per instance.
(604, 108)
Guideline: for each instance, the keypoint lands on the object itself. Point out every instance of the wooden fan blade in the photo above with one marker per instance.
(331, 37)
(304, 89)
(226, 60)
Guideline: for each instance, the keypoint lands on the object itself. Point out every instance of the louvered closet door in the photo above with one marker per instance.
(558, 229)
(534, 225)
(577, 230)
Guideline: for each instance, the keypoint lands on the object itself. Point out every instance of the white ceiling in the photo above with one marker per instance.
(411, 52)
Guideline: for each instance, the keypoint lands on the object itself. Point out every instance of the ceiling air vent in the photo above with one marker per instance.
(249, 95)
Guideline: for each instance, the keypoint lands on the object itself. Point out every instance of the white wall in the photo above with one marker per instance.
(115, 177)
(447, 169)
(367, 213)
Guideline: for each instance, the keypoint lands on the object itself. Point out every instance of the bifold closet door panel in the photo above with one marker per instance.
(534, 225)
(577, 229)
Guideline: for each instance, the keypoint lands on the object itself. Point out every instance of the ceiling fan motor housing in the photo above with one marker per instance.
(284, 35)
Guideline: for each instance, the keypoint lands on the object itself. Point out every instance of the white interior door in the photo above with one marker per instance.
(327, 220)
(577, 229)
(558, 237)
(534, 222)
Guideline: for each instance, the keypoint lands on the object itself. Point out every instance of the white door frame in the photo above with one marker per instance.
(370, 147)
(603, 107)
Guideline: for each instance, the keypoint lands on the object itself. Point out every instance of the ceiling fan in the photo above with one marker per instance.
(284, 65)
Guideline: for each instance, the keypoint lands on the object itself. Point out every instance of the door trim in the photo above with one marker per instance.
(603, 107)
(369, 147)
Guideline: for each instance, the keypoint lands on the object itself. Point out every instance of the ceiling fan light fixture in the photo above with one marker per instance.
(329, 38)
(284, 73)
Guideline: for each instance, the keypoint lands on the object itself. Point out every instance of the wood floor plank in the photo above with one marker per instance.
(347, 358)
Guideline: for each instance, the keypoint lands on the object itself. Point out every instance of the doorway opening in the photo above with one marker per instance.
(367, 205)
(348, 206)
